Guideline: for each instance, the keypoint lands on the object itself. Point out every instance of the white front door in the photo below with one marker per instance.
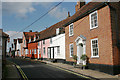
(79, 53)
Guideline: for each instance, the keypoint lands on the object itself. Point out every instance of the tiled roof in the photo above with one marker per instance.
(85, 10)
(82, 12)
(5, 35)
(51, 31)
(28, 34)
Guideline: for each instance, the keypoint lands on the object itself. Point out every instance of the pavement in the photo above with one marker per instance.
(86, 72)
(10, 71)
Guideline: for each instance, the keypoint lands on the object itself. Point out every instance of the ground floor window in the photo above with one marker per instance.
(58, 50)
(94, 47)
(34, 51)
(44, 50)
(71, 49)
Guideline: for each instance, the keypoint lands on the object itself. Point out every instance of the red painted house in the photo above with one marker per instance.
(33, 46)
(24, 45)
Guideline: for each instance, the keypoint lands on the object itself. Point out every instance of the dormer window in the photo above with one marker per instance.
(57, 31)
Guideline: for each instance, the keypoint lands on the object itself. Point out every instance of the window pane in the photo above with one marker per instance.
(95, 47)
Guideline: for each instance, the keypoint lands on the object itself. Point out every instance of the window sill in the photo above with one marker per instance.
(94, 56)
(71, 35)
(93, 27)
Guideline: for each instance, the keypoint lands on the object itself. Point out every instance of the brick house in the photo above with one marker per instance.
(33, 46)
(24, 45)
(94, 30)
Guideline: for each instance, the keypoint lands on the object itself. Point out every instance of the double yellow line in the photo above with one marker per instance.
(22, 73)
(72, 72)
(20, 70)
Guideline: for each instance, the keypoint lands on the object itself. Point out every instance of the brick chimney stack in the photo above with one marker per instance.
(79, 5)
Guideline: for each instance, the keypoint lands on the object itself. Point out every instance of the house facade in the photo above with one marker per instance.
(56, 50)
(51, 42)
(43, 48)
(93, 30)
(24, 45)
(18, 47)
(3, 44)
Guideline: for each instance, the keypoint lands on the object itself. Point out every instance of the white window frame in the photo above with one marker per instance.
(70, 30)
(92, 56)
(90, 20)
(70, 49)
(50, 40)
(58, 50)
(30, 51)
(38, 51)
(26, 51)
(57, 31)
(35, 51)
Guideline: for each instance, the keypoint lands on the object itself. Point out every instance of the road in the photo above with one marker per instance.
(38, 70)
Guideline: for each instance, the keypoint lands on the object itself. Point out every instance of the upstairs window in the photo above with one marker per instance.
(94, 47)
(71, 29)
(43, 41)
(93, 20)
(71, 50)
(57, 31)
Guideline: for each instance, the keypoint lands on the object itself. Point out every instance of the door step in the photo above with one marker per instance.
(79, 65)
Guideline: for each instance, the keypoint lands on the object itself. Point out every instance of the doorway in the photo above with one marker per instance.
(79, 53)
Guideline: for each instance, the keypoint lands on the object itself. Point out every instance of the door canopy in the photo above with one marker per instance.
(80, 40)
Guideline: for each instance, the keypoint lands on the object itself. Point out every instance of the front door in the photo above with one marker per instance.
(79, 53)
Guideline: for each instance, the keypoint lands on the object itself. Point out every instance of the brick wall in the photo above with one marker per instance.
(115, 23)
(102, 32)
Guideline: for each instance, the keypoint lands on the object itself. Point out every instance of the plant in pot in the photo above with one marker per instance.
(75, 58)
(84, 58)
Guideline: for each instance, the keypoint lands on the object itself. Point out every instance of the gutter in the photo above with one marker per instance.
(86, 13)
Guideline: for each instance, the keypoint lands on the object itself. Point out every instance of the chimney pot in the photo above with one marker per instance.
(30, 30)
(68, 14)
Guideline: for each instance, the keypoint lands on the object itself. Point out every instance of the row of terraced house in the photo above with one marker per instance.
(93, 30)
